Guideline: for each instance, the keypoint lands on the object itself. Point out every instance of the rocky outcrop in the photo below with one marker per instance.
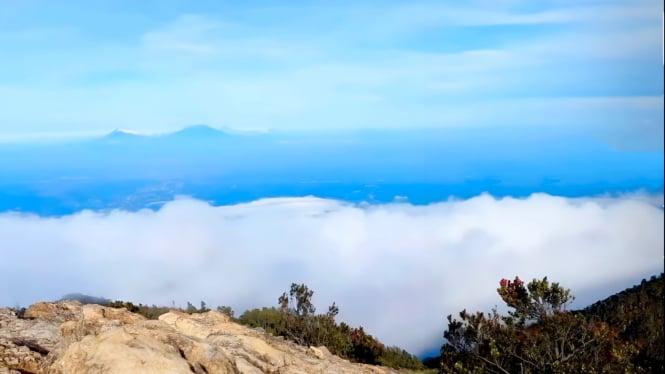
(67, 337)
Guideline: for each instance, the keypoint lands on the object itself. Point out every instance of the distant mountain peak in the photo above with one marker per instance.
(200, 131)
(119, 136)
(123, 132)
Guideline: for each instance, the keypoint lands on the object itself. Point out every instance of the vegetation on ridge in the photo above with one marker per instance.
(638, 314)
(296, 320)
(540, 336)
(620, 334)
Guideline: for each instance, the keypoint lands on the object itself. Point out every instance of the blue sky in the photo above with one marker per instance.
(86, 67)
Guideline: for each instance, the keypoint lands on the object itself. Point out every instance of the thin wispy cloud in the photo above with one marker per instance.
(342, 65)
(442, 15)
(380, 263)
(187, 34)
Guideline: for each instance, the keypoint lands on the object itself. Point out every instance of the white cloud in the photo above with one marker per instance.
(396, 269)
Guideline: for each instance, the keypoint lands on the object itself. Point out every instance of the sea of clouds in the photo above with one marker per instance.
(396, 269)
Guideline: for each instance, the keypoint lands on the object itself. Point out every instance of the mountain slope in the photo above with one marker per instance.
(121, 135)
(638, 314)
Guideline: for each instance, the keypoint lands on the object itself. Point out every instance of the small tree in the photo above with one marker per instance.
(190, 308)
(333, 310)
(298, 301)
(298, 310)
(203, 308)
(535, 301)
(555, 340)
(296, 320)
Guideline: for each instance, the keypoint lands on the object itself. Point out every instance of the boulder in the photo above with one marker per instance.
(67, 337)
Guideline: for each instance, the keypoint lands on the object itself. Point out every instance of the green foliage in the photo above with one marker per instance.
(299, 301)
(333, 311)
(225, 309)
(537, 300)
(268, 319)
(153, 312)
(150, 312)
(124, 304)
(538, 336)
(295, 319)
(396, 357)
(203, 307)
(190, 308)
(638, 314)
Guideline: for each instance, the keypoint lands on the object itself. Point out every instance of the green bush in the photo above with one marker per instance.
(149, 312)
(538, 336)
(295, 319)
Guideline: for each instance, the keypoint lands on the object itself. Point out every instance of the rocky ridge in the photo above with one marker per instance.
(67, 337)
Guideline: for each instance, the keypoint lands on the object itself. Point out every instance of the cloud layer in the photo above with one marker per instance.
(396, 269)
